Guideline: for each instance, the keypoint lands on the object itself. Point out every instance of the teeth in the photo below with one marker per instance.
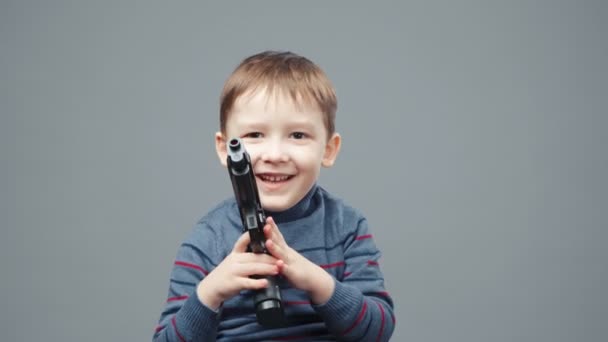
(274, 178)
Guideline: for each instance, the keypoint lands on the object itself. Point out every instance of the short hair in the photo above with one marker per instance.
(287, 73)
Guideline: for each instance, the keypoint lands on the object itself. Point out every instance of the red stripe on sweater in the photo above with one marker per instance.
(172, 299)
(363, 237)
(335, 264)
(383, 293)
(358, 320)
(189, 265)
(346, 274)
(372, 263)
(158, 328)
(181, 338)
(382, 322)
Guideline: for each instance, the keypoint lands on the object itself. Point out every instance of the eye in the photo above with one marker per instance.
(254, 135)
(299, 135)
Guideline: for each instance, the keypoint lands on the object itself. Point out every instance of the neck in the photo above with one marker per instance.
(299, 210)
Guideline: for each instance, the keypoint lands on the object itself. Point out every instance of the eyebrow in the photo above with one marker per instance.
(252, 124)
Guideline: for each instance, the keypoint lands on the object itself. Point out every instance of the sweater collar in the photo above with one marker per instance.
(301, 209)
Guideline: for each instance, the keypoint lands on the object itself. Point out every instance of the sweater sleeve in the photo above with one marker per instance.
(184, 317)
(360, 309)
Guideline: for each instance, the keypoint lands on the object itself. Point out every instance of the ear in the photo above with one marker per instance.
(332, 148)
(220, 148)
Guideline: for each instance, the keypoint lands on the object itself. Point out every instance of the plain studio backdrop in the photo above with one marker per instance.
(475, 141)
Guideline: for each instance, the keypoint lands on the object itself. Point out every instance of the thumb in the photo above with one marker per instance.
(240, 246)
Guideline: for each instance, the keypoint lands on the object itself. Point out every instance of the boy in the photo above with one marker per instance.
(283, 108)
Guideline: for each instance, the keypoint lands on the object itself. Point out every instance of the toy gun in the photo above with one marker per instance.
(267, 302)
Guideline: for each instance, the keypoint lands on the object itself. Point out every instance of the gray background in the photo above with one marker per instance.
(474, 141)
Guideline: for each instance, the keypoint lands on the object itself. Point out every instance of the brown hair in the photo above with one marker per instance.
(287, 73)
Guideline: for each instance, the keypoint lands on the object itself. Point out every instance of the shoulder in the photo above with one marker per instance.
(219, 227)
(224, 212)
(348, 227)
(337, 206)
(342, 215)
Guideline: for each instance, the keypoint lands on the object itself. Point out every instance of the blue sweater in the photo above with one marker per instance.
(323, 229)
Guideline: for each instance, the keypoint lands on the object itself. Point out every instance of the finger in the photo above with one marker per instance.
(256, 257)
(275, 250)
(268, 231)
(240, 246)
(253, 284)
(274, 230)
(249, 269)
(283, 268)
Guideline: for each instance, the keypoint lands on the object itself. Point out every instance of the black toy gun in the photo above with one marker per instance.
(267, 302)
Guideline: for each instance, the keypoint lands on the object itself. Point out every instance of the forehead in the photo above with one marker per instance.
(271, 99)
(255, 105)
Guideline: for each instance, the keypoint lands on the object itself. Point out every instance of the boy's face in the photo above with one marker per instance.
(287, 145)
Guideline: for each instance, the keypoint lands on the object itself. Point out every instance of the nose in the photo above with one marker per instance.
(274, 151)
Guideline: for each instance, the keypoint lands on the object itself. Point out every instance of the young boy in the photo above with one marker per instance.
(283, 108)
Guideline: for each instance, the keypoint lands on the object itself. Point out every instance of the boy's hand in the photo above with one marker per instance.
(301, 272)
(232, 274)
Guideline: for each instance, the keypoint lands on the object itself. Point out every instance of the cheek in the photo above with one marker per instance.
(254, 151)
(309, 159)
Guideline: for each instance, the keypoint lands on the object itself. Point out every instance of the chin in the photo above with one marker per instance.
(275, 205)
(275, 208)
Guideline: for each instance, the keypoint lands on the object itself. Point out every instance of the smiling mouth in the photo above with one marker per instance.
(274, 178)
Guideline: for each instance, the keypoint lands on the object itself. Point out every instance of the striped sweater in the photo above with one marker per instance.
(323, 229)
